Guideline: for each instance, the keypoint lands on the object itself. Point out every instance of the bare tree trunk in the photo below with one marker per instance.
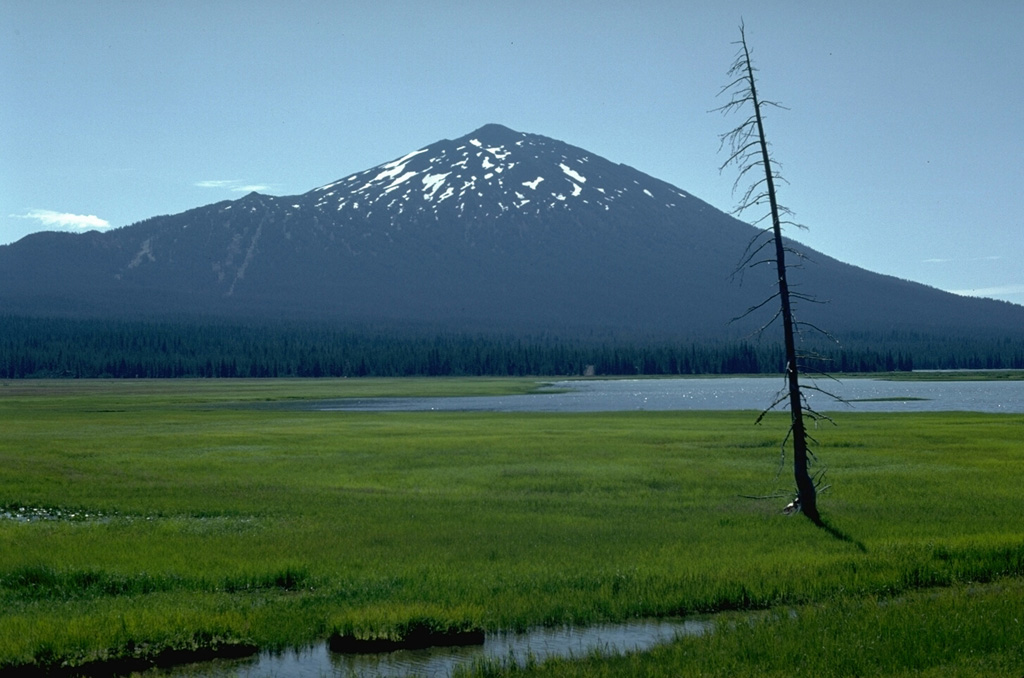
(750, 149)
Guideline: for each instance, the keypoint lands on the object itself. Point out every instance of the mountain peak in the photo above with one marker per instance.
(492, 170)
(493, 130)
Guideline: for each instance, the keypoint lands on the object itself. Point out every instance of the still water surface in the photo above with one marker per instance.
(723, 393)
(441, 662)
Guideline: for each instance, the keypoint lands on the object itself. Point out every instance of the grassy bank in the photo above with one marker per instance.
(961, 630)
(161, 522)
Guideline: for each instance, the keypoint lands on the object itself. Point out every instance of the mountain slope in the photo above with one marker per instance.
(494, 230)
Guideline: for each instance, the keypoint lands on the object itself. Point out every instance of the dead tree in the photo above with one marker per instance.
(749, 152)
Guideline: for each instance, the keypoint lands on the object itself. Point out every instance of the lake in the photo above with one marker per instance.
(718, 393)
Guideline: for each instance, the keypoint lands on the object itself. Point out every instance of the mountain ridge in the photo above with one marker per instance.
(494, 229)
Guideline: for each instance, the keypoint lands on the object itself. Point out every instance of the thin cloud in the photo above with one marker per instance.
(52, 219)
(234, 185)
(991, 257)
(999, 291)
(218, 183)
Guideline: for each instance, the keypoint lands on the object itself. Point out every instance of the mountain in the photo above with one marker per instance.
(494, 230)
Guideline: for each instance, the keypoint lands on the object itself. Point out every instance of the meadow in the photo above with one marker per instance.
(148, 517)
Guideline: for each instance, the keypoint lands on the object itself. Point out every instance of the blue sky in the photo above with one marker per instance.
(902, 142)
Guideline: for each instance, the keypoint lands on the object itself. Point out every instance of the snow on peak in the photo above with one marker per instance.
(401, 162)
(432, 182)
(486, 172)
(498, 152)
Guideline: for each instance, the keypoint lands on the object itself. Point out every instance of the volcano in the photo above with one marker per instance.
(497, 230)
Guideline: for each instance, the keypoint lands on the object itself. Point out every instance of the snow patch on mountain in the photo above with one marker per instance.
(432, 182)
(498, 152)
(399, 181)
(473, 170)
(572, 173)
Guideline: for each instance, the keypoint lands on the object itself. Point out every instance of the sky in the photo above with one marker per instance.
(901, 138)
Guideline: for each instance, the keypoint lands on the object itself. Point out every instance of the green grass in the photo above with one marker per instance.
(958, 631)
(276, 527)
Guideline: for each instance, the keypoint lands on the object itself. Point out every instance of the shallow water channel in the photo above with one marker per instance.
(440, 662)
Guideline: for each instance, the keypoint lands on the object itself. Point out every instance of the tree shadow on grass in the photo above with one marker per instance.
(837, 533)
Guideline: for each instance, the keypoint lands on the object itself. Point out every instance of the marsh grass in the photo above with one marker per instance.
(963, 630)
(278, 528)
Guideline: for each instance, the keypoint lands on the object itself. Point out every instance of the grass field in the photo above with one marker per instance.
(166, 518)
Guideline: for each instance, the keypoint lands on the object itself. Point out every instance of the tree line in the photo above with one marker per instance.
(87, 348)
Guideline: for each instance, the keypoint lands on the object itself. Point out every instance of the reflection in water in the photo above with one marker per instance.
(440, 662)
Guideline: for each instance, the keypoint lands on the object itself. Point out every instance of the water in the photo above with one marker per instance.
(723, 393)
(440, 662)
